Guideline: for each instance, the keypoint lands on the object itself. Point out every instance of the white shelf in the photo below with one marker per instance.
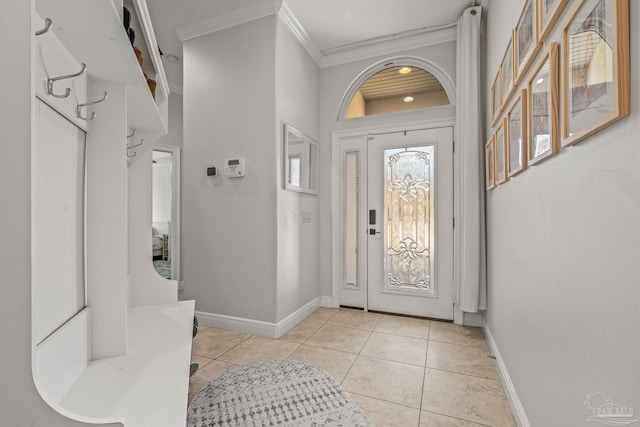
(149, 385)
(92, 31)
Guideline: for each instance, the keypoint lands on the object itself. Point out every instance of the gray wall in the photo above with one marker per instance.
(229, 224)
(563, 242)
(297, 93)
(174, 137)
(247, 252)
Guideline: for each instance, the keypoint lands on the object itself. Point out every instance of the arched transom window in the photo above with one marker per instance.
(398, 88)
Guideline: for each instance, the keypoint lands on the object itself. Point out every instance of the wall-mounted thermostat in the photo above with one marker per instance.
(234, 167)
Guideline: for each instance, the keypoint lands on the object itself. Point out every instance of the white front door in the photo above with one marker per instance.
(398, 246)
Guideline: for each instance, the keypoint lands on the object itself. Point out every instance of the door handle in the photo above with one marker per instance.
(373, 232)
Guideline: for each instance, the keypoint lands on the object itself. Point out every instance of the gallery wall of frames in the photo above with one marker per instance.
(549, 94)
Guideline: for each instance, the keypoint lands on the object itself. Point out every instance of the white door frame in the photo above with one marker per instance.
(176, 204)
(337, 264)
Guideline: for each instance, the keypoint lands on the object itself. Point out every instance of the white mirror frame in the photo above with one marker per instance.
(299, 146)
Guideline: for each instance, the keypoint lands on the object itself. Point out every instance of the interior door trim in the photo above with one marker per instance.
(337, 202)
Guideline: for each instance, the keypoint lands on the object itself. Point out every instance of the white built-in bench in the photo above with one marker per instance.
(148, 386)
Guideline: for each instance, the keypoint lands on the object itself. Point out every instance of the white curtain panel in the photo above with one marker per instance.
(470, 251)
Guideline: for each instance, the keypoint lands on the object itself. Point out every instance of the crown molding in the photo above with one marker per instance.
(299, 32)
(366, 49)
(390, 46)
(241, 16)
(356, 52)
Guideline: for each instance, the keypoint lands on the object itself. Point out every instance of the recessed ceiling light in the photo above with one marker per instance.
(404, 70)
(540, 80)
(173, 59)
(408, 99)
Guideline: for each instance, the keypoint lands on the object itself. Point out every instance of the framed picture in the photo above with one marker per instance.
(506, 71)
(489, 164)
(517, 135)
(501, 152)
(595, 68)
(548, 13)
(543, 107)
(495, 98)
(526, 38)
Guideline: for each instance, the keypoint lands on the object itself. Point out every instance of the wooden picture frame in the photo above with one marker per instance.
(495, 98)
(595, 68)
(526, 40)
(507, 71)
(489, 164)
(543, 107)
(502, 175)
(548, 13)
(517, 135)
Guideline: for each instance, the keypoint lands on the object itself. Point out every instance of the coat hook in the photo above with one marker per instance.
(137, 145)
(93, 115)
(133, 132)
(47, 27)
(132, 155)
(51, 80)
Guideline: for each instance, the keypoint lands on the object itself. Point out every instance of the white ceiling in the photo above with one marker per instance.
(332, 26)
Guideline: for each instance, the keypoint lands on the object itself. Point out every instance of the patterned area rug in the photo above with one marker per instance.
(163, 268)
(274, 392)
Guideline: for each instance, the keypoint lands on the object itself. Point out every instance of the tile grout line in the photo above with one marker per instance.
(393, 361)
(424, 376)
(241, 342)
(386, 401)
(359, 352)
(462, 373)
(458, 418)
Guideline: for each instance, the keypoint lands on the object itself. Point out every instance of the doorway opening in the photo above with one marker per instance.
(166, 211)
(396, 211)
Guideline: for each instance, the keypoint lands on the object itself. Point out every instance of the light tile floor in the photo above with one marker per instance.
(401, 371)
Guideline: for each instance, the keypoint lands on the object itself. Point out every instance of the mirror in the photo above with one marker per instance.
(300, 162)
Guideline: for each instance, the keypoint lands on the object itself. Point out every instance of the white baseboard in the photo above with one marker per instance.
(473, 319)
(258, 327)
(283, 326)
(327, 302)
(517, 409)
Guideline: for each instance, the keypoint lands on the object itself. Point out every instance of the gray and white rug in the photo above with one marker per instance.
(274, 392)
(163, 268)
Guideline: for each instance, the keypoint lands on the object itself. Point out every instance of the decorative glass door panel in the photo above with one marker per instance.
(408, 219)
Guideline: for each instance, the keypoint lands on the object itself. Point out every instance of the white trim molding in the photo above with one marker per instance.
(176, 202)
(337, 218)
(329, 302)
(517, 409)
(368, 48)
(389, 46)
(289, 19)
(237, 17)
(473, 319)
(441, 75)
(379, 46)
(258, 327)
